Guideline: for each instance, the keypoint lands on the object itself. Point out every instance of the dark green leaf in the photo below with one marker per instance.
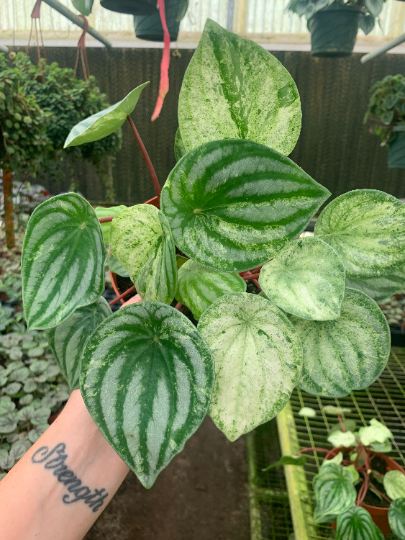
(357, 524)
(396, 516)
(334, 491)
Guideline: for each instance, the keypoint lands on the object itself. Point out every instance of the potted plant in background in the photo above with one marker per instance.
(386, 110)
(334, 25)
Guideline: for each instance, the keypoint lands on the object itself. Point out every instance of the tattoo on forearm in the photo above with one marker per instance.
(55, 459)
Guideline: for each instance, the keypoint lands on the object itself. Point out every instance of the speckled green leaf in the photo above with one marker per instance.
(62, 261)
(306, 278)
(258, 359)
(102, 212)
(83, 6)
(143, 243)
(382, 287)
(366, 228)
(179, 148)
(233, 204)
(234, 89)
(68, 340)
(396, 517)
(198, 286)
(357, 524)
(348, 353)
(394, 484)
(105, 122)
(334, 491)
(147, 378)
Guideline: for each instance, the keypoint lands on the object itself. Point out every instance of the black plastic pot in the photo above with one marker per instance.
(130, 7)
(334, 30)
(396, 151)
(149, 27)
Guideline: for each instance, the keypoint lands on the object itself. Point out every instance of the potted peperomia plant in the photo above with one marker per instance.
(387, 111)
(233, 204)
(358, 488)
(334, 24)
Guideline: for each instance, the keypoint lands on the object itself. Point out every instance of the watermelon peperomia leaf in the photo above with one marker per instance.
(63, 260)
(357, 524)
(233, 204)
(396, 517)
(382, 287)
(234, 89)
(179, 149)
(102, 212)
(147, 378)
(334, 491)
(394, 484)
(376, 432)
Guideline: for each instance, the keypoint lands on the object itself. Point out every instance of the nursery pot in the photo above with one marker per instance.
(149, 27)
(396, 151)
(379, 515)
(130, 7)
(334, 30)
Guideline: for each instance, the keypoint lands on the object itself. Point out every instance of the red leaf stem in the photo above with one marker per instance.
(131, 289)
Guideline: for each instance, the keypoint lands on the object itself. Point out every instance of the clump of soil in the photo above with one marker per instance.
(123, 284)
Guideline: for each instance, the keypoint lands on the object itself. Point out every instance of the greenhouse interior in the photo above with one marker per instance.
(202, 271)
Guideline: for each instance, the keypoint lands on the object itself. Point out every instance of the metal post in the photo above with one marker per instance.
(75, 19)
(388, 46)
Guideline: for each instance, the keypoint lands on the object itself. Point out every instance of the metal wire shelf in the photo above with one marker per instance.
(272, 517)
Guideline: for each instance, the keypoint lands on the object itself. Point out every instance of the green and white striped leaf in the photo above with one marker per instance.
(396, 517)
(258, 359)
(141, 240)
(102, 212)
(394, 484)
(105, 122)
(366, 228)
(306, 278)
(198, 286)
(357, 524)
(334, 491)
(179, 148)
(233, 204)
(68, 340)
(234, 89)
(346, 354)
(382, 287)
(62, 262)
(147, 378)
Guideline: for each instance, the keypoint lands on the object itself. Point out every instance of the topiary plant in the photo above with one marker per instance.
(234, 204)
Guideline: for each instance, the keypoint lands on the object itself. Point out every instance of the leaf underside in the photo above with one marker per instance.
(357, 524)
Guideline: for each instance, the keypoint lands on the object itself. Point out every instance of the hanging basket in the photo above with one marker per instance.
(334, 30)
(130, 7)
(149, 27)
(396, 151)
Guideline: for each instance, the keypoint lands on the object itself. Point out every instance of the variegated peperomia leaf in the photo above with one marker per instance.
(63, 260)
(102, 212)
(366, 228)
(257, 357)
(234, 89)
(306, 278)
(382, 287)
(348, 353)
(356, 524)
(141, 240)
(233, 204)
(68, 340)
(394, 484)
(179, 148)
(334, 491)
(376, 432)
(147, 378)
(396, 517)
(198, 286)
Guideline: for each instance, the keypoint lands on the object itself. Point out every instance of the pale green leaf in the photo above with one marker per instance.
(179, 148)
(62, 261)
(382, 448)
(233, 204)
(394, 484)
(234, 89)
(366, 228)
(257, 361)
(7, 462)
(8, 423)
(349, 425)
(346, 354)
(40, 416)
(19, 448)
(334, 491)
(287, 460)
(382, 287)
(12, 389)
(374, 433)
(396, 517)
(20, 375)
(353, 471)
(102, 212)
(306, 278)
(331, 409)
(35, 433)
(337, 459)
(357, 524)
(307, 412)
(340, 438)
(6, 405)
(105, 122)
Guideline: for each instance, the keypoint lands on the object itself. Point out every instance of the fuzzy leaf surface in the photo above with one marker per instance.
(356, 524)
(233, 204)
(334, 491)
(63, 260)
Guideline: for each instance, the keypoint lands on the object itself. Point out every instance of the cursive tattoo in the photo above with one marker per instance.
(55, 459)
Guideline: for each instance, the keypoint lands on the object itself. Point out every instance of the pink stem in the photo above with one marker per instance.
(106, 219)
(312, 449)
(164, 68)
(178, 306)
(131, 289)
(256, 283)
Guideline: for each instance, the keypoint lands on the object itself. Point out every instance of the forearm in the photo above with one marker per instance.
(63, 483)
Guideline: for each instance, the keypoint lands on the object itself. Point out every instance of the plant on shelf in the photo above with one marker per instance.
(386, 110)
(334, 24)
(234, 206)
(358, 488)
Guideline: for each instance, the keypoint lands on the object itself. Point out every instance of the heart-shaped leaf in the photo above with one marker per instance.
(198, 287)
(334, 491)
(380, 288)
(62, 261)
(233, 204)
(40, 416)
(340, 438)
(306, 278)
(357, 524)
(394, 484)
(141, 240)
(234, 89)
(366, 228)
(396, 517)
(374, 6)
(257, 357)
(19, 448)
(68, 340)
(8, 423)
(105, 122)
(346, 354)
(102, 212)
(179, 148)
(6, 405)
(147, 378)
(376, 432)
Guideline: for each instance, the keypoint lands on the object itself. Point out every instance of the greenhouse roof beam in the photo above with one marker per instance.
(387, 47)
